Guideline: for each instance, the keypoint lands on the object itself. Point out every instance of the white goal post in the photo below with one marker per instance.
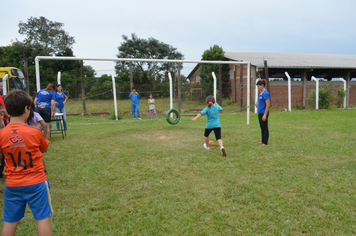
(38, 58)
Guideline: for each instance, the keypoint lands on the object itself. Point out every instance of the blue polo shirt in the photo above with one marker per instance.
(44, 98)
(212, 120)
(135, 98)
(59, 98)
(261, 105)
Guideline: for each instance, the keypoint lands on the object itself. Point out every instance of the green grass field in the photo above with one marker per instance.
(132, 177)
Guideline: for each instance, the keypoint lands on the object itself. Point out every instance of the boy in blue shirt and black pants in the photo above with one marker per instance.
(135, 101)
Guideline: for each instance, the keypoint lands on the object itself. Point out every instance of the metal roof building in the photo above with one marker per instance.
(326, 66)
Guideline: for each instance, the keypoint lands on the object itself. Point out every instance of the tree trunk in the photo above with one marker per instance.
(267, 81)
(131, 77)
(26, 75)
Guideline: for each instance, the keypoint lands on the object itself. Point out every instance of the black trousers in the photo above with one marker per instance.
(264, 128)
(2, 165)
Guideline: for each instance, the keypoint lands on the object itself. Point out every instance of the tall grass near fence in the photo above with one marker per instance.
(124, 105)
(132, 177)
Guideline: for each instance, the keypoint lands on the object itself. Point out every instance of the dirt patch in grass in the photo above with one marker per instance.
(163, 137)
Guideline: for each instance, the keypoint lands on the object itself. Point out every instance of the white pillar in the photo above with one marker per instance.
(4, 84)
(37, 65)
(345, 88)
(316, 93)
(59, 78)
(214, 78)
(170, 92)
(256, 94)
(114, 92)
(289, 92)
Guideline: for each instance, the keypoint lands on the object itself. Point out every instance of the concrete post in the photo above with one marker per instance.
(304, 82)
(347, 78)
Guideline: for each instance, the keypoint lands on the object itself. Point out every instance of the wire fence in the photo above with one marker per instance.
(99, 96)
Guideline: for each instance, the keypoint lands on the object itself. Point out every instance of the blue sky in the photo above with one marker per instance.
(299, 26)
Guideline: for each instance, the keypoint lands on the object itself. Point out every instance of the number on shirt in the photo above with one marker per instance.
(18, 163)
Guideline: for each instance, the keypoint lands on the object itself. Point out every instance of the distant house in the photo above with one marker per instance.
(302, 66)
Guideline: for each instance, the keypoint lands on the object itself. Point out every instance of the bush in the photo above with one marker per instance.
(341, 93)
(113, 117)
(325, 97)
(227, 101)
(300, 106)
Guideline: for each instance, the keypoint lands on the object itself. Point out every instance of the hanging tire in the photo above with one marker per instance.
(172, 122)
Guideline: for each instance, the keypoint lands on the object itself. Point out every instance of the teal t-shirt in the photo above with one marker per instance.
(212, 120)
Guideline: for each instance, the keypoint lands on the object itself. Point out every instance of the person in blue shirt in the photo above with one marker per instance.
(135, 102)
(44, 102)
(60, 99)
(262, 105)
(212, 122)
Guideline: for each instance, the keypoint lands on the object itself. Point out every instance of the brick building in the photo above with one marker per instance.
(301, 68)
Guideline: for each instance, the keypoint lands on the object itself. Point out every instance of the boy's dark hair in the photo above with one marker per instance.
(16, 101)
(133, 88)
(210, 100)
(32, 110)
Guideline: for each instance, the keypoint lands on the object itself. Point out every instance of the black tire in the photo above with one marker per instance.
(169, 119)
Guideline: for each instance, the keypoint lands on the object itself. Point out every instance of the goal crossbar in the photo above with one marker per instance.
(38, 58)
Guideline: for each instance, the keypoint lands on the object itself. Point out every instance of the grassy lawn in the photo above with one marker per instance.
(131, 177)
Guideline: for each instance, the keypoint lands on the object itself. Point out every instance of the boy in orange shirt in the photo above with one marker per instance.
(26, 182)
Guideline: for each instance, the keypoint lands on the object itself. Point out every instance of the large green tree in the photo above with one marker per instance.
(215, 53)
(49, 35)
(146, 72)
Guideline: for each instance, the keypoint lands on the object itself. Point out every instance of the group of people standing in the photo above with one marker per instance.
(48, 102)
(135, 102)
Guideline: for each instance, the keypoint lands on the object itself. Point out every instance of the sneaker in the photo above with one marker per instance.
(139, 118)
(223, 152)
(207, 148)
(134, 118)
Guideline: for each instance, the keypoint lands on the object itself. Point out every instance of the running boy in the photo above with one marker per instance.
(212, 122)
(135, 102)
(26, 181)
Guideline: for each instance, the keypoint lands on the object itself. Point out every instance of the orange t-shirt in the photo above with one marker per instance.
(22, 144)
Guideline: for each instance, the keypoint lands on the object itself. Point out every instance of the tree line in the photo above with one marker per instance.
(48, 38)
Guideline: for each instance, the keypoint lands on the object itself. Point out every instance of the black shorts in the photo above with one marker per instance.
(217, 132)
(45, 113)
